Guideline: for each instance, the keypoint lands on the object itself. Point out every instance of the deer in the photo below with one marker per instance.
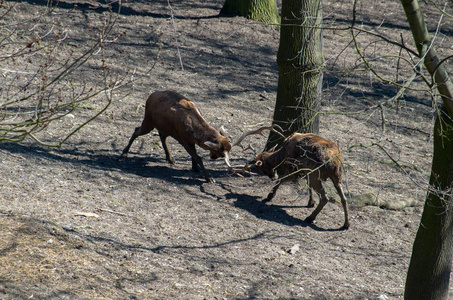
(306, 156)
(173, 115)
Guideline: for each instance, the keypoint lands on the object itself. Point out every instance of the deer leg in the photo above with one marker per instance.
(317, 186)
(311, 201)
(142, 130)
(198, 161)
(272, 193)
(163, 139)
(195, 166)
(343, 202)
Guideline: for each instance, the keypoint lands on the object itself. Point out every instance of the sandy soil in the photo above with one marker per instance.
(77, 224)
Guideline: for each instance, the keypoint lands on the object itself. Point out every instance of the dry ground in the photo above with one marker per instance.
(76, 224)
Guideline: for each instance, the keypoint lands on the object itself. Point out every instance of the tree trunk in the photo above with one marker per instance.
(300, 63)
(429, 270)
(258, 10)
(430, 266)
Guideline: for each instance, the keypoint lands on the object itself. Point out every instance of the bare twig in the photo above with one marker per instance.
(111, 211)
(175, 33)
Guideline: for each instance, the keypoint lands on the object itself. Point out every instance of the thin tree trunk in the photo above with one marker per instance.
(264, 11)
(428, 276)
(300, 64)
(425, 49)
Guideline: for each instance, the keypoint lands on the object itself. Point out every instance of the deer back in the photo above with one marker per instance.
(173, 115)
(309, 151)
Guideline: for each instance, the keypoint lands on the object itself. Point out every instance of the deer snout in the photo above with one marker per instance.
(265, 169)
(215, 155)
(215, 149)
(274, 176)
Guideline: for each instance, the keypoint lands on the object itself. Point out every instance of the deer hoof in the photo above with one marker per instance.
(266, 200)
(309, 220)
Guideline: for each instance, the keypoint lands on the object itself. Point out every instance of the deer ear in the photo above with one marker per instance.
(211, 145)
(222, 131)
(259, 163)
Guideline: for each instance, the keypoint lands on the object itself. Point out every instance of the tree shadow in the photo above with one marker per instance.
(126, 9)
(26, 231)
(149, 166)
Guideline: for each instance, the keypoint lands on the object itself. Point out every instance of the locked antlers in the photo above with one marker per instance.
(245, 169)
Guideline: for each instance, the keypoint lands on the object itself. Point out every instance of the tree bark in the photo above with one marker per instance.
(429, 270)
(264, 11)
(428, 276)
(300, 64)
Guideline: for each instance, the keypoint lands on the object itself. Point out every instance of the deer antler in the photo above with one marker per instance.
(246, 168)
(238, 169)
(259, 130)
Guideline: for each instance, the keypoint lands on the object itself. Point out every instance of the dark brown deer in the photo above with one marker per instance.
(306, 156)
(172, 115)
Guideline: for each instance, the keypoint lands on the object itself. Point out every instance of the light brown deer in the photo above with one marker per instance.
(173, 115)
(306, 156)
